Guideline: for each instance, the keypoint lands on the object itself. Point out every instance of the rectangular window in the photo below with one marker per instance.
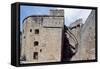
(35, 55)
(36, 31)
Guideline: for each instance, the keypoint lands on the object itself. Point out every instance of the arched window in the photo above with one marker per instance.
(36, 43)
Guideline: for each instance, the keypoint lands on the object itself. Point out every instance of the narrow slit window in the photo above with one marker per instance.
(40, 50)
(30, 30)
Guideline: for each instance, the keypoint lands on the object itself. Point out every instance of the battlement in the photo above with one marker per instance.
(57, 12)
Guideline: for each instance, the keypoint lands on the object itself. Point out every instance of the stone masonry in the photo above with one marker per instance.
(42, 37)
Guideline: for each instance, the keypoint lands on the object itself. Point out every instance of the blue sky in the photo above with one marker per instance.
(31, 10)
(70, 14)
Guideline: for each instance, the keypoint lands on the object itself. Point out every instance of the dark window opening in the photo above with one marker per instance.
(36, 31)
(36, 43)
(40, 50)
(30, 30)
(24, 37)
(78, 25)
(23, 58)
(35, 55)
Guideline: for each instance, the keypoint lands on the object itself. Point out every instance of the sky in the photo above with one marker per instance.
(70, 14)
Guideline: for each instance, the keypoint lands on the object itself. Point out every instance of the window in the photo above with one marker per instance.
(30, 30)
(40, 50)
(36, 43)
(36, 31)
(78, 25)
(35, 55)
(24, 37)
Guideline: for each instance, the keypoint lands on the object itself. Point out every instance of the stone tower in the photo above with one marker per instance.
(42, 37)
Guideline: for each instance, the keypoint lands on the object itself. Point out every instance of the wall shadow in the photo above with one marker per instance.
(67, 52)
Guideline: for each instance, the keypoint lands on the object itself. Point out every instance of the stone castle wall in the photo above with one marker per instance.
(85, 35)
(88, 38)
(41, 38)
